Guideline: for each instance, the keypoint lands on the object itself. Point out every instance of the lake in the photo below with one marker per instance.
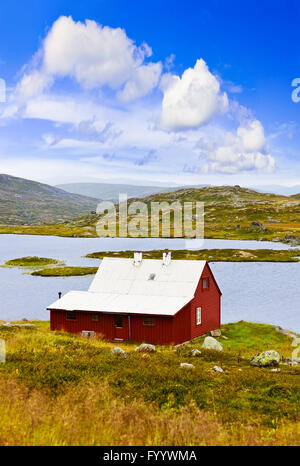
(258, 292)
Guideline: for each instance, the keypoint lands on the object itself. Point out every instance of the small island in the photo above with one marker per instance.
(65, 271)
(212, 255)
(32, 262)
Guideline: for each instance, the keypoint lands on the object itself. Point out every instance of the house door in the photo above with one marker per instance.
(120, 330)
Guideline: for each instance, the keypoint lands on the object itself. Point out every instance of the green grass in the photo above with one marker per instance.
(61, 389)
(31, 262)
(213, 255)
(249, 338)
(65, 271)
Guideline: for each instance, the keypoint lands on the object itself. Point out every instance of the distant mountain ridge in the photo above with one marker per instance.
(110, 191)
(278, 189)
(30, 203)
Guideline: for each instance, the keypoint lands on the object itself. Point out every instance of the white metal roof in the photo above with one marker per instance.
(116, 303)
(150, 287)
(179, 278)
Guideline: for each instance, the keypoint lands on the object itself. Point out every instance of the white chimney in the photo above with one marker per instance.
(166, 258)
(137, 258)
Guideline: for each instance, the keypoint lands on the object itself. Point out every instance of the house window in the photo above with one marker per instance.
(71, 315)
(205, 283)
(149, 321)
(95, 317)
(119, 321)
(198, 315)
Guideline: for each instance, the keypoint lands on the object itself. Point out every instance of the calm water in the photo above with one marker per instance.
(261, 292)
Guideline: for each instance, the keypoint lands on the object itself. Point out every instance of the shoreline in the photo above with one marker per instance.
(216, 238)
(39, 230)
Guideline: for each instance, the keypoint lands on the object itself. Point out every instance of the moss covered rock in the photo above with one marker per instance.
(265, 359)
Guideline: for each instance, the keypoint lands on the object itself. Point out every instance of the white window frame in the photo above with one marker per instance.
(198, 315)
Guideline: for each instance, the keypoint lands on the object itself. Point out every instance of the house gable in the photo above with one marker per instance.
(209, 300)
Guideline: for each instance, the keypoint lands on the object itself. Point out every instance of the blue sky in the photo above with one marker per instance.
(185, 92)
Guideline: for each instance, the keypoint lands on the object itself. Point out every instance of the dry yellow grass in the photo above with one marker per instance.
(90, 415)
(61, 389)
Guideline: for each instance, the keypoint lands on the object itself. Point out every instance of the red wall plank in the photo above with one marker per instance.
(182, 325)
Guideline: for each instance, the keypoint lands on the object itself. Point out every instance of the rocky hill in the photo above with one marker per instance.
(241, 213)
(26, 202)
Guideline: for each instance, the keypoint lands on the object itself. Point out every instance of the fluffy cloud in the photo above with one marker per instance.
(142, 82)
(94, 56)
(252, 136)
(32, 84)
(244, 151)
(191, 101)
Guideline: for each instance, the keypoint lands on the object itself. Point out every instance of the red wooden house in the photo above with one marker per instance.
(143, 300)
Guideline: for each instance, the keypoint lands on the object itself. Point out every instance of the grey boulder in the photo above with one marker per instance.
(218, 369)
(145, 348)
(118, 351)
(185, 365)
(212, 343)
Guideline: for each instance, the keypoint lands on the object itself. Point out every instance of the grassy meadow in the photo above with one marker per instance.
(62, 389)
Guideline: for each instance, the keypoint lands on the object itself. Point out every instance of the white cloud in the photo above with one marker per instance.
(169, 61)
(67, 110)
(252, 136)
(286, 130)
(94, 56)
(142, 82)
(32, 84)
(192, 100)
(244, 151)
(231, 87)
